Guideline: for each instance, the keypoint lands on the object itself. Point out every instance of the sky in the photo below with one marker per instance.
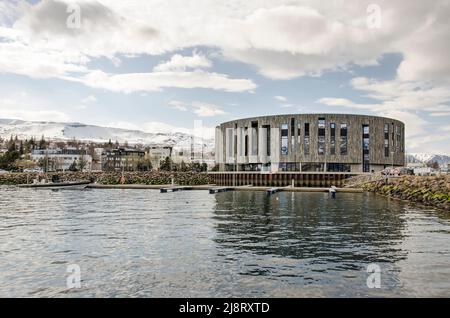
(162, 65)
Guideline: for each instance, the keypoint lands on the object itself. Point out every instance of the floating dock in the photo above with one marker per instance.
(175, 189)
(218, 189)
(271, 191)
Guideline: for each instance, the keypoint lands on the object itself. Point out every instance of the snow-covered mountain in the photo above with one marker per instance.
(442, 160)
(78, 131)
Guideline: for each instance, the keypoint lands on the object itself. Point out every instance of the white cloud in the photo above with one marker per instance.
(176, 104)
(281, 98)
(306, 37)
(181, 63)
(21, 105)
(142, 82)
(89, 100)
(207, 110)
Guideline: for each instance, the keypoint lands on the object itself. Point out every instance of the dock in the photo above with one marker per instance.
(175, 189)
(219, 189)
(271, 191)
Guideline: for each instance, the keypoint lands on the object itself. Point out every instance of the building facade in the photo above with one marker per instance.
(122, 159)
(61, 159)
(310, 143)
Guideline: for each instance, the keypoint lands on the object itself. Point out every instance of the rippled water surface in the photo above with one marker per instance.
(140, 243)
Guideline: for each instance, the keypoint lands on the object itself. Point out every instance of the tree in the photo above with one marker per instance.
(144, 165)
(433, 165)
(82, 163)
(21, 151)
(166, 164)
(42, 143)
(73, 166)
(8, 159)
(183, 166)
(204, 167)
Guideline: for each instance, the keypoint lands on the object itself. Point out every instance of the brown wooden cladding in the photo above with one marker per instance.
(354, 133)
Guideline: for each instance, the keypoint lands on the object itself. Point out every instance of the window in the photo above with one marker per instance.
(254, 132)
(293, 135)
(333, 138)
(338, 167)
(343, 140)
(386, 140)
(299, 133)
(306, 144)
(284, 139)
(267, 127)
(312, 166)
(366, 148)
(289, 166)
(321, 136)
(246, 142)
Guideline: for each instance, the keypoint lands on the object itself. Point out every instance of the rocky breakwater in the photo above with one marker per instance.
(148, 178)
(428, 190)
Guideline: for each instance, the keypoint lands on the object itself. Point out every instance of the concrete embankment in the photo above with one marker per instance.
(429, 190)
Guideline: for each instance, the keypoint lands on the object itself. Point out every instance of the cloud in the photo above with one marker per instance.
(181, 63)
(207, 110)
(281, 98)
(306, 37)
(176, 104)
(156, 81)
(22, 105)
(89, 100)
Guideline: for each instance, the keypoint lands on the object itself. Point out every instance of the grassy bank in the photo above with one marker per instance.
(433, 190)
(151, 177)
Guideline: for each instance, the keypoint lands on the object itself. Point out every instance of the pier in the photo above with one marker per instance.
(175, 189)
(216, 189)
(220, 189)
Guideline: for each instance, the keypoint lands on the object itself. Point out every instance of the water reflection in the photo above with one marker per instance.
(349, 231)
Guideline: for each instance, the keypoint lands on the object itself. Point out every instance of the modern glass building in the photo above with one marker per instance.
(310, 143)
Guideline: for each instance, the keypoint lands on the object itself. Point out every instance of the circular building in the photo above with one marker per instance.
(310, 143)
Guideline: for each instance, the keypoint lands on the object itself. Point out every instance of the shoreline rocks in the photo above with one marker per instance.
(150, 177)
(428, 190)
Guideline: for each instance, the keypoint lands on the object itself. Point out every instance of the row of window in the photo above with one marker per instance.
(294, 166)
(343, 141)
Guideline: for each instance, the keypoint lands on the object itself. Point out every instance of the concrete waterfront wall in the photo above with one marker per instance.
(281, 179)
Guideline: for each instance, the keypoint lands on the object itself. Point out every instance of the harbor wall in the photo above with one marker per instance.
(281, 179)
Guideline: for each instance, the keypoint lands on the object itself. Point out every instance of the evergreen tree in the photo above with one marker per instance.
(21, 152)
(166, 164)
(42, 143)
(73, 166)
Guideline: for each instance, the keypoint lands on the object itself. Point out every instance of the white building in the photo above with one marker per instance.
(62, 159)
